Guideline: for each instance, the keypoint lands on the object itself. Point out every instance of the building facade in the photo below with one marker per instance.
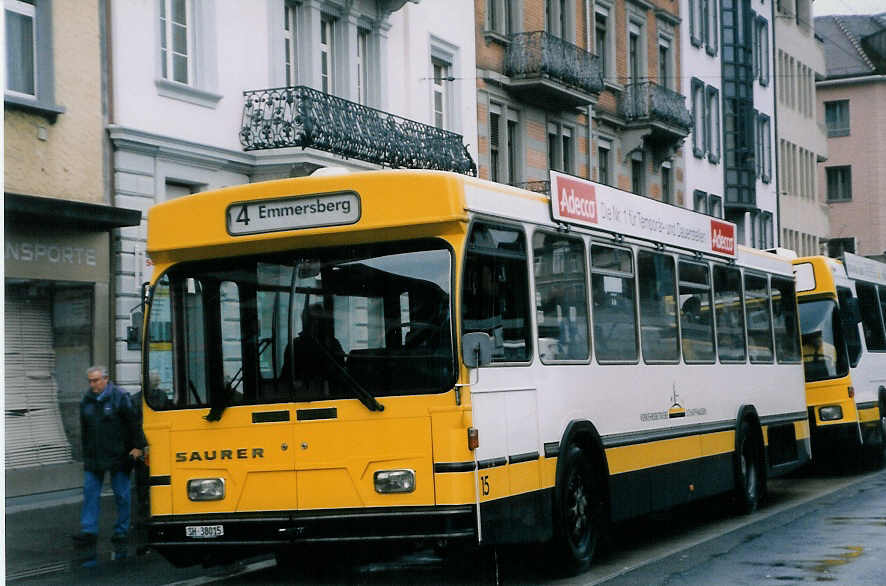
(802, 142)
(59, 228)
(208, 94)
(585, 88)
(851, 99)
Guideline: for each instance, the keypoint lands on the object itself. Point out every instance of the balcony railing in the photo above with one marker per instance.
(304, 117)
(650, 101)
(539, 53)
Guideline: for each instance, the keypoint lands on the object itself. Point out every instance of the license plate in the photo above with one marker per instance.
(204, 531)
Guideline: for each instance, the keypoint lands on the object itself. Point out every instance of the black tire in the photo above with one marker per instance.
(750, 475)
(578, 513)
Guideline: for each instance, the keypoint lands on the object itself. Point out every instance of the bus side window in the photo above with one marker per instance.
(614, 313)
(785, 322)
(561, 298)
(232, 340)
(730, 314)
(882, 291)
(759, 318)
(495, 291)
(850, 327)
(871, 320)
(696, 315)
(658, 312)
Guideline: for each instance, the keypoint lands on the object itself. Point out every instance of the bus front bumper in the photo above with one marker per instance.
(279, 528)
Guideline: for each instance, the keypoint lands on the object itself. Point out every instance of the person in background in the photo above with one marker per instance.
(112, 440)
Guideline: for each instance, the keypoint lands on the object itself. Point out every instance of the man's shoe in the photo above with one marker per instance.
(84, 538)
(119, 538)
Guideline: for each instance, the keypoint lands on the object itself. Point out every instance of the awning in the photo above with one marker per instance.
(63, 212)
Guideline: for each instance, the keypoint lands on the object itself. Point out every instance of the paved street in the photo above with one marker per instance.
(813, 528)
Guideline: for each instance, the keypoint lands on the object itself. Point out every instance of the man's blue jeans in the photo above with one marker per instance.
(92, 488)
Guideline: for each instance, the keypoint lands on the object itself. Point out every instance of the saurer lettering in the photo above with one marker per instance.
(207, 455)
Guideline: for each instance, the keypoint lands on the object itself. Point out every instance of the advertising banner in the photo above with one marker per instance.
(864, 269)
(578, 201)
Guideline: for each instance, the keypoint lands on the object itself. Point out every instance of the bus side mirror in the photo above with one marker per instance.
(134, 331)
(476, 349)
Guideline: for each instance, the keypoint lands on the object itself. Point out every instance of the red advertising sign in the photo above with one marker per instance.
(722, 237)
(577, 200)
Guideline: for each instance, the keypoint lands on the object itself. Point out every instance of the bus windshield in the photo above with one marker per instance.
(345, 322)
(824, 351)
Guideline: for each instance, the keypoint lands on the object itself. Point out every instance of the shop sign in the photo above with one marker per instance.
(73, 256)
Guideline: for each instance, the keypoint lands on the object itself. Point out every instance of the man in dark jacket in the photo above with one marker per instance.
(112, 440)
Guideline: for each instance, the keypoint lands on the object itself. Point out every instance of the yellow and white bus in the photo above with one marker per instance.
(419, 355)
(842, 306)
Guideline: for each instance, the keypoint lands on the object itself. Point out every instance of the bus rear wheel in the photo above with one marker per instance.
(750, 479)
(579, 513)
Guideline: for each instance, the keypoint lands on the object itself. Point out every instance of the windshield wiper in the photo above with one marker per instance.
(362, 394)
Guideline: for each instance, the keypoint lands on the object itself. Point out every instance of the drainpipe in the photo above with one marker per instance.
(775, 147)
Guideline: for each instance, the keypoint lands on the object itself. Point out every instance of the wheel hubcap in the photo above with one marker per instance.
(578, 509)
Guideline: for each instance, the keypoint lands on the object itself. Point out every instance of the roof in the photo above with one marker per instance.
(854, 45)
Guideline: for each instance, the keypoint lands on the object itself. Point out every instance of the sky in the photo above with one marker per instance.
(823, 7)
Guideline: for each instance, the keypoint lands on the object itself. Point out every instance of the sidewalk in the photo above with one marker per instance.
(39, 529)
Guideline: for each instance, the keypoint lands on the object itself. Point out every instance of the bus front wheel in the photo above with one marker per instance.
(579, 512)
(750, 479)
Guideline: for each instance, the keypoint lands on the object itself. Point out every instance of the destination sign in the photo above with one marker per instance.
(864, 269)
(578, 201)
(292, 213)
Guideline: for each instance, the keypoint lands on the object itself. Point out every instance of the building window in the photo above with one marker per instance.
(711, 24)
(601, 24)
(638, 173)
(558, 20)
(513, 147)
(327, 55)
(494, 157)
(665, 69)
(837, 246)
(698, 117)
(765, 148)
(175, 26)
(363, 66)
(715, 205)
(290, 43)
(762, 45)
(561, 155)
(21, 49)
(700, 201)
(442, 76)
(836, 115)
(696, 22)
(667, 189)
(839, 183)
(707, 203)
(503, 145)
(635, 53)
(712, 123)
(499, 15)
(767, 233)
(603, 154)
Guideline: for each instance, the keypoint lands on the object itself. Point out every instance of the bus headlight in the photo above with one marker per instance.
(206, 489)
(830, 413)
(390, 481)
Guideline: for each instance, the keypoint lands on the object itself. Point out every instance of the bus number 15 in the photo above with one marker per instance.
(484, 483)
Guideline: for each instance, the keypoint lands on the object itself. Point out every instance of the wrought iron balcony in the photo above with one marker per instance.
(551, 71)
(304, 117)
(650, 102)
